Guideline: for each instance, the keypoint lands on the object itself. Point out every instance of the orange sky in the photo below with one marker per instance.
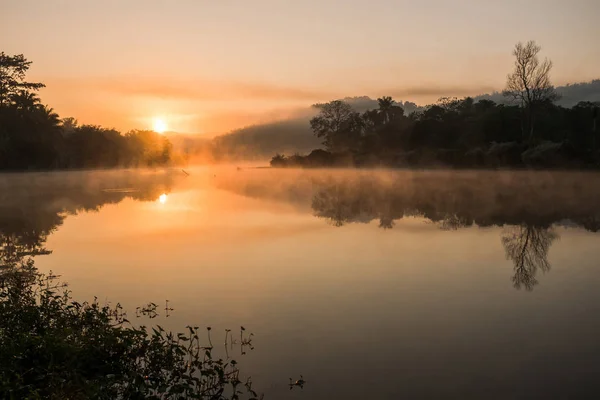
(211, 66)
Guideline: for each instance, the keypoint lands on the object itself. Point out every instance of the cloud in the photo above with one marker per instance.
(436, 91)
(202, 90)
(197, 90)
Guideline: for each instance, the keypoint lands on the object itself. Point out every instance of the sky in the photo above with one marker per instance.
(207, 66)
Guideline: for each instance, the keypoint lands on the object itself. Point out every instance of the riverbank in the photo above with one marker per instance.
(546, 155)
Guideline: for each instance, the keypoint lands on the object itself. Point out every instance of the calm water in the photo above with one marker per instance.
(370, 284)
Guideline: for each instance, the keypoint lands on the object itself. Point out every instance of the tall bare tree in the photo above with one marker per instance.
(529, 84)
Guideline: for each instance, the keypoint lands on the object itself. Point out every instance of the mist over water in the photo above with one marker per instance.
(370, 283)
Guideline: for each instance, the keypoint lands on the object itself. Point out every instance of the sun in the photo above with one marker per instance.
(162, 198)
(159, 125)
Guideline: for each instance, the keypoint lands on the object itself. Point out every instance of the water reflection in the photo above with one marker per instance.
(33, 206)
(527, 246)
(527, 204)
(395, 270)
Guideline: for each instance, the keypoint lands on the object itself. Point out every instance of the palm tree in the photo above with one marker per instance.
(25, 100)
(385, 107)
(49, 117)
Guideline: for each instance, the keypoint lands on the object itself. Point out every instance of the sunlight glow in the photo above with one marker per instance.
(162, 198)
(159, 125)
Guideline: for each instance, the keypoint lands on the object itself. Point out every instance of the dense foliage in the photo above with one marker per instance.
(52, 347)
(456, 133)
(32, 136)
(531, 130)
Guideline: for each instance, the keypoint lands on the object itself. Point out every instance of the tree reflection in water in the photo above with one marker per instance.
(527, 246)
(527, 203)
(33, 206)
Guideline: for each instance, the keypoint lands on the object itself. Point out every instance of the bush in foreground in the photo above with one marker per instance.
(52, 347)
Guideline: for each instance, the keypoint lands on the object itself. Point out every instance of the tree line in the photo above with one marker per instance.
(531, 130)
(33, 136)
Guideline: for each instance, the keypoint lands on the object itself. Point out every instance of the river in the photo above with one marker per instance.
(370, 284)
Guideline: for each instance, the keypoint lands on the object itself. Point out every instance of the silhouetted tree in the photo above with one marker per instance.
(32, 135)
(68, 125)
(278, 160)
(385, 107)
(529, 84)
(148, 148)
(338, 125)
(13, 87)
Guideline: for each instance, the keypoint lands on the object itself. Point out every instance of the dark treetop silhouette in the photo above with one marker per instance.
(32, 136)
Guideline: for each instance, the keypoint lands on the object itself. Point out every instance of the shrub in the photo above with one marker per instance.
(53, 347)
(278, 160)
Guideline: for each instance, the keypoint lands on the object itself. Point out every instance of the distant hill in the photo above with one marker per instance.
(571, 94)
(263, 141)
